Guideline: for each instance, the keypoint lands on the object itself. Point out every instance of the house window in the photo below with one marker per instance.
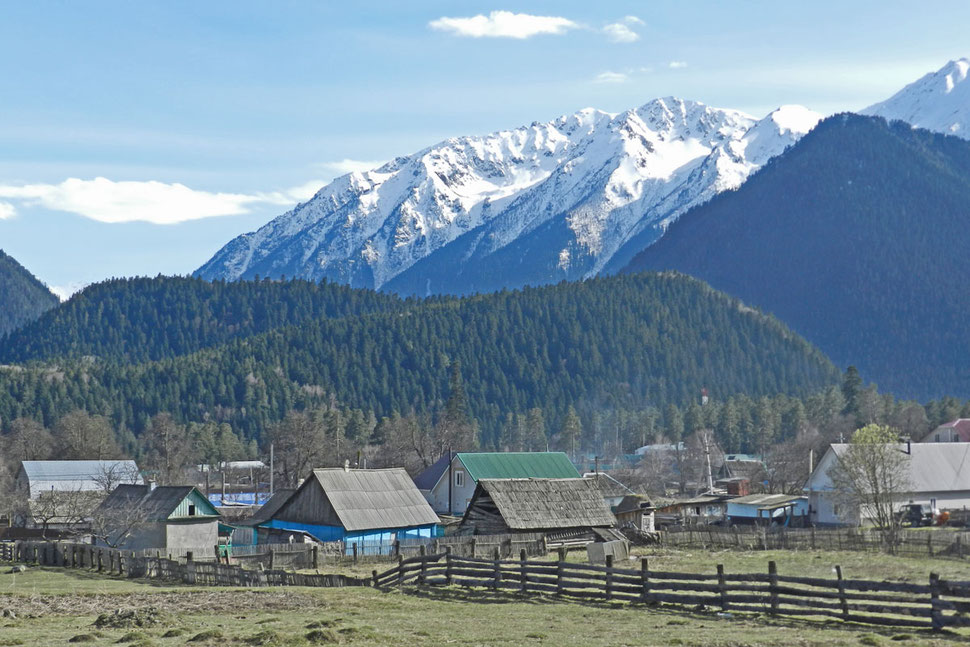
(459, 478)
(191, 510)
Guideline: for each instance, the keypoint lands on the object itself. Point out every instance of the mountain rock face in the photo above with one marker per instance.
(853, 239)
(22, 297)
(561, 200)
(940, 101)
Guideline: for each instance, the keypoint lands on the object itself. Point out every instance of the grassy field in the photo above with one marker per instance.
(55, 606)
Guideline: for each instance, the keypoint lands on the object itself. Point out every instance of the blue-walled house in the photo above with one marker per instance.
(373, 508)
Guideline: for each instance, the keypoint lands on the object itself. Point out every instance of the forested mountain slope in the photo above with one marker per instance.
(856, 237)
(22, 297)
(632, 341)
(142, 319)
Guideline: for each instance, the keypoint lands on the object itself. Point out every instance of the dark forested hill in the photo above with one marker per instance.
(631, 341)
(22, 297)
(857, 238)
(136, 320)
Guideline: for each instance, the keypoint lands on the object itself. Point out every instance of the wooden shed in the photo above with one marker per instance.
(372, 508)
(568, 511)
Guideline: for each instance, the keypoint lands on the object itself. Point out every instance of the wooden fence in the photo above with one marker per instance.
(929, 542)
(935, 605)
(110, 561)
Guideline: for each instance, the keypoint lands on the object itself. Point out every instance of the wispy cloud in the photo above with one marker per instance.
(7, 210)
(611, 77)
(504, 24)
(677, 65)
(108, 201)
(344, 166)
(620, 33)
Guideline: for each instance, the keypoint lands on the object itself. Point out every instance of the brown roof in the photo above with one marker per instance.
(527, 504)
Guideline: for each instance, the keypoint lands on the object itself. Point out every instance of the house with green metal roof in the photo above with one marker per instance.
(450, 482)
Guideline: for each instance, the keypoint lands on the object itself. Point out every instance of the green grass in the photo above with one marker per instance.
(54, 605)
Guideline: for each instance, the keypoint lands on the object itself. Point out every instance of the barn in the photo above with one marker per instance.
(372, 508)
(568, 511)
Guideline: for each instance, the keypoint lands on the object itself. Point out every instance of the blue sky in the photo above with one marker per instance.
(206, 119)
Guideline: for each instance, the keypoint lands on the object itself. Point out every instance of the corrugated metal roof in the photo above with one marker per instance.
(765, 500)
(154, 504)
(79, 475)
(530, 504)
(268, 509)
(933, 467)
(515, 465)
(372, 499)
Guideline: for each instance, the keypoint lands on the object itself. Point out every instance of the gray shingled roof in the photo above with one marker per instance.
(148, 504)
(78, 475)
(268, 509)
(527, 504)
(372, 499)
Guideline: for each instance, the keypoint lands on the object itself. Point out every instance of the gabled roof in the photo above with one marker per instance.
(532, 504)
(767, 501)
(268, 509)
(933, 467)
(960, 426)
(429, 478)
(156, 504)
(372, 499)
(518, 465)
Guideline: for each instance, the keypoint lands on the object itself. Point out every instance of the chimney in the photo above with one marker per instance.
(151, 484)
(347, 465)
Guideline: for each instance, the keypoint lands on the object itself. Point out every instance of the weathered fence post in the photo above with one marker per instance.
(316, 557)
(400, 570)
(356, 555)
(422, 551)
(562, 553)
(397, 547)
(497, 576)
(773, 586)
(473, 548)
(374, 577)
(645, 579)
(524, 581)
(448, 565)
(722, 587)
(609, 577)
(843, 602)
(560, 567)
(100, 560)
(272, 558)
(936, 608)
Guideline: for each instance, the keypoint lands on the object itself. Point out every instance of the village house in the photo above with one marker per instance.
(448, 485)
(612, 490)
(939, 476)
(568, 511)
(636, 511)
(955, 431)
(370, 508)
(39, 477)
(176, 520)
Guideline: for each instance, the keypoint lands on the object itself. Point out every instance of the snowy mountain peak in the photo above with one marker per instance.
(558, 200)
(939, 101)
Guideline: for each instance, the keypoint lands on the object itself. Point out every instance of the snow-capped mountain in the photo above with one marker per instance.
(940, 101)
(559, 200)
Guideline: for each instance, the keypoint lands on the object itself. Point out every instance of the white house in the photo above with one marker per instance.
(939, 474)
(35, 478)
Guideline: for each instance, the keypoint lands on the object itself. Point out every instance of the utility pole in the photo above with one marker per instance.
(710, 475)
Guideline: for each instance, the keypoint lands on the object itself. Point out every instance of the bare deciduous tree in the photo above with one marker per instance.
(870, 477)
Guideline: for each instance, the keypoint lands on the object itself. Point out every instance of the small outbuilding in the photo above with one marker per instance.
(768, 509)
(372, 508)
(173, 519)
(567, 511)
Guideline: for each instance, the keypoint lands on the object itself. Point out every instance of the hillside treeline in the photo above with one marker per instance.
(22, 296)
(606, 344)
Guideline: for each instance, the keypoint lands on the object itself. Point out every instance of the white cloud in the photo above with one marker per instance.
(620, 33)
(345, 166)
(633, 20)
(7, 210)
(104, 200)
(504, 24)
(65, 292)
(611, 77)
(677, 65)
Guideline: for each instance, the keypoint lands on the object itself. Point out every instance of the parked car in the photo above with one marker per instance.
(915, 515)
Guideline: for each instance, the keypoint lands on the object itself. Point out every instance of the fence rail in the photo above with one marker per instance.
(935, 605)
(911, 543)
(110, 561)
